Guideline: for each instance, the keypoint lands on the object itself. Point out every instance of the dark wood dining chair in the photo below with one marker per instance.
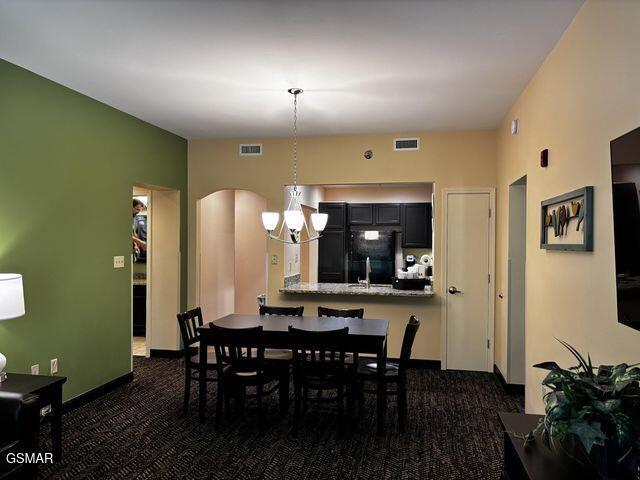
(286, 311)
(189, 322)
(351, 358)
(318, 364)
(395, 373)
(278, 354)
(335, 312)
(241, 364)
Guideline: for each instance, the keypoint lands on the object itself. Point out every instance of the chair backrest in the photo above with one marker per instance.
(286, 311)
(189, 322)
(318, 353)
(334, 312)
(407, 341)
(240, 348)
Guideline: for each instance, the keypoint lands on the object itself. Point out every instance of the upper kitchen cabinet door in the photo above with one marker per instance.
(360, 213)
(387, 213)
(337, 215)
(416, 225)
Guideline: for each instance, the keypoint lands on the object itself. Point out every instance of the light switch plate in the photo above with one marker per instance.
(118, 261)
(35, 369)
(54, 366)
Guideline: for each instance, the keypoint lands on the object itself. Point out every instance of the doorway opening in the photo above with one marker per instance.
(231, 249)
(155, 272)
(140, 250)
(516, 281)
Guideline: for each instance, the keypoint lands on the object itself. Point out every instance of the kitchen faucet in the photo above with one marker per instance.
(367, 281)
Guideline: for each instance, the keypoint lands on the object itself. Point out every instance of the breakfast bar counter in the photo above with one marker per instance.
(352, 289)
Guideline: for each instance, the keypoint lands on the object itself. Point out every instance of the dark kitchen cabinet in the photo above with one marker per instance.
(331, 256)
(337, 215)
(360, 213)
(416, 225)
(387, 213)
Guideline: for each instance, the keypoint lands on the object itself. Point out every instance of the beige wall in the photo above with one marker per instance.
(232, 265)
(379, 194)
(584, 95)
(216, 251)
(249, 254)
(450, 159)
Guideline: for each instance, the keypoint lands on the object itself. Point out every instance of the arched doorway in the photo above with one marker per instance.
(231, 252)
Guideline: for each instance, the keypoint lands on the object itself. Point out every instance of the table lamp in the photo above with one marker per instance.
(11, 305)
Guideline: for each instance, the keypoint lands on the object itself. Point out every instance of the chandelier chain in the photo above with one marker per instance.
(295, 140)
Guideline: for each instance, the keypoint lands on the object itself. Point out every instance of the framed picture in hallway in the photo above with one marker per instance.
(566, 221)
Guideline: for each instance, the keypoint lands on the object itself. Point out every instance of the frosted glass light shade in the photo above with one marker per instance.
(319, 221)
(11, 296)
(270, 220)
(371, 235)
(294, 219)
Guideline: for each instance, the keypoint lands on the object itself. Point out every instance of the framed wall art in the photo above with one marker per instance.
(567, 221)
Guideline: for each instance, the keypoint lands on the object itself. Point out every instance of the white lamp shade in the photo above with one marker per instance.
(11, 296)
(371, 235)
(294, 219)
(319, 221)
(270, 220)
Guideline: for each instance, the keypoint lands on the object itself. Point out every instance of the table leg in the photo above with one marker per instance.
(56, 423)
(202, 381)
(284, 390)
(382, 387)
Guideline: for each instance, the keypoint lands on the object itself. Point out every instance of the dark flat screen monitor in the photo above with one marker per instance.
(625, 174)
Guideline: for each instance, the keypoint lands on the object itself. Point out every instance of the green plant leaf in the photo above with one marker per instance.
(589, 434)
(607, 406)
(547, 366)
(579, 357)
(624, 431)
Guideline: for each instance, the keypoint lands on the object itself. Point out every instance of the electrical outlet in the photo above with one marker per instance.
(35, 369)
(118, 261)
(274, 259)
(54, 366)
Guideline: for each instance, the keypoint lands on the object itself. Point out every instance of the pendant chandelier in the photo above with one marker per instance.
(294, 220)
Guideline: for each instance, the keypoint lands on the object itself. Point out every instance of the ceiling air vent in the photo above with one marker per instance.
(406, 144)
(250, 149)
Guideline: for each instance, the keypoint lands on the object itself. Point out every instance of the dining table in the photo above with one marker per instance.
(366, 335)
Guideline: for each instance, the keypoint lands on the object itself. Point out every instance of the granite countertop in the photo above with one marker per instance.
(351, 289)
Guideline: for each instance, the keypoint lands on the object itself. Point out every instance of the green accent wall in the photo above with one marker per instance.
(67, 167)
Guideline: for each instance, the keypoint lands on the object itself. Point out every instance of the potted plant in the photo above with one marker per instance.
(592, 414)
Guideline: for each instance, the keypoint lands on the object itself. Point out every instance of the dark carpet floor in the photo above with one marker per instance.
(139, 432)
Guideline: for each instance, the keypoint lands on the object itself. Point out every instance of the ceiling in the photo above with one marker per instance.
(215, 69)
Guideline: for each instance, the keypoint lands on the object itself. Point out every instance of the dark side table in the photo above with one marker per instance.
(536, 462)
(49, 391)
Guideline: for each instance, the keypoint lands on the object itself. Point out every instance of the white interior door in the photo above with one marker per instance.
(468, 243)
(163, 271)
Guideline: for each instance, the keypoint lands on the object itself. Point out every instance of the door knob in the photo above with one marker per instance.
(453, 290)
